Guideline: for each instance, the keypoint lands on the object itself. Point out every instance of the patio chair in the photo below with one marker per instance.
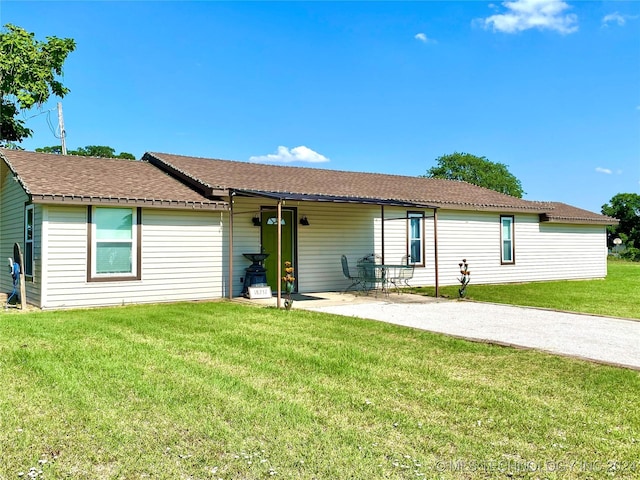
(345, 271)
(406, 274)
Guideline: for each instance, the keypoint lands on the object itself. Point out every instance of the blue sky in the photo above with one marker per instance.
(550, 88)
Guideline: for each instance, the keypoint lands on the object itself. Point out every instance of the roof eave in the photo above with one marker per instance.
(489, 208)
(54, 199)
(546, 218)
(16, 177)
(314, 197)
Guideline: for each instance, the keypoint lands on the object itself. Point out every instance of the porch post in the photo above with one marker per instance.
(230, 282)
(382, 223)
(435, 248)
(279, 267)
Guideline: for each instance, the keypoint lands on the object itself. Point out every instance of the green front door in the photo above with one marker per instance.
(270, 242)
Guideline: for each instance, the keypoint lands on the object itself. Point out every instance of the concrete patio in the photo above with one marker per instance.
(310, 301)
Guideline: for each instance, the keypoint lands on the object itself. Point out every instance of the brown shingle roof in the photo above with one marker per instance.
(70, 179)
(57, 178)
(213, 173)
(225, 174)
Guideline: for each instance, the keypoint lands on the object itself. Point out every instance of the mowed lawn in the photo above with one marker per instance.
(617, 295)
(223, 390)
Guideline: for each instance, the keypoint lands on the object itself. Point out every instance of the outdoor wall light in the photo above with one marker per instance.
(304, 220)
(256, 221)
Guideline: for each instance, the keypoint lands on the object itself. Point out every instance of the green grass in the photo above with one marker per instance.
(617, 295)
(222, 390)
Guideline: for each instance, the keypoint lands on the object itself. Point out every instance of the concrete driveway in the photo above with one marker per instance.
(607, 340)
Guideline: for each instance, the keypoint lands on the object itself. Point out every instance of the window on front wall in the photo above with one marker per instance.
(415, 237)
(114, 242)
(27, 259)
(506, 239)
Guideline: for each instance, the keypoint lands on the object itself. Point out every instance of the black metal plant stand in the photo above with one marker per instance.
(255, 274)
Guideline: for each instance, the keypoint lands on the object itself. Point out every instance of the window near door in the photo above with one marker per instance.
(274, 221)
(114, 243)
(27, 259)
(415, 237)
(506, 240)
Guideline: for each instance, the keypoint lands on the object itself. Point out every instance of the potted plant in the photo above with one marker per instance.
(289, 284)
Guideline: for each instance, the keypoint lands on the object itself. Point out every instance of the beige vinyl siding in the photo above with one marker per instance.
(13, 200)
(396, 242)
(184, 253)
(543, 251)
(34, 285)
(246, 238)
(335, 229)
(395, 235)
(182, 259)
(474, 236)
(572, 251)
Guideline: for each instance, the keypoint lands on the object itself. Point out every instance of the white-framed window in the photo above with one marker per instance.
(415, 237)
(114, 243)
(27, 257)
(507, 251)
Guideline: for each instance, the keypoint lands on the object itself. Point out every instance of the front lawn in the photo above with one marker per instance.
(222, 390)
(617, 295)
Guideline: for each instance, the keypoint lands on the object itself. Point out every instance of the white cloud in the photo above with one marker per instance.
(526, 14)
(423, 38)
(616, 17)
(296, 154)
(603, 170)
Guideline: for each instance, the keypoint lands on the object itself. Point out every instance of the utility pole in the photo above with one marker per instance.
(63, 142)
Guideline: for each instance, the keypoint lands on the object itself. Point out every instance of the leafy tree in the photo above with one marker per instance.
(100, 151)
(57, 149)
(626, 208)
(28, 70)
(89, 151)
(478, 171)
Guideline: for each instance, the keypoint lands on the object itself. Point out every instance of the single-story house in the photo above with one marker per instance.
(97, 231)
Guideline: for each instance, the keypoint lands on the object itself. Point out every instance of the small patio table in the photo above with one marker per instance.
(372, 274)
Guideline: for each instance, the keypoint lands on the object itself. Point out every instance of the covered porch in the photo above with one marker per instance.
(323, 229)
